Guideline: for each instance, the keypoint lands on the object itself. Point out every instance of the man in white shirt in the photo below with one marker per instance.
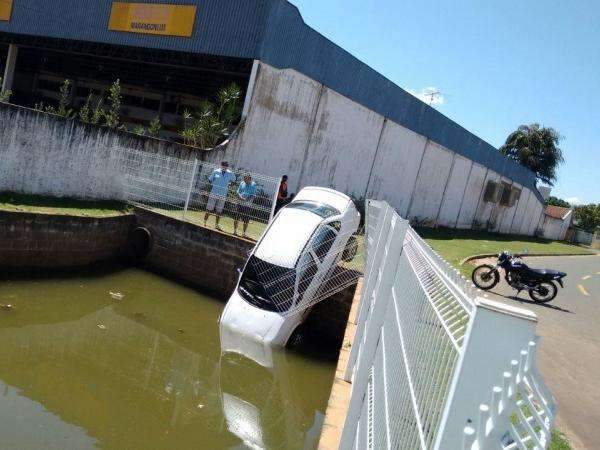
(219, 180)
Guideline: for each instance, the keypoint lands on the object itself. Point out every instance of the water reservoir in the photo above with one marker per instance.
(120, 358)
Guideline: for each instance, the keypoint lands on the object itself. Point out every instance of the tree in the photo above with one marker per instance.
(555, 201)
(537, 149)
(588, 216)
(4, 94)
(113, 114)
(210, 123)
(64, 100)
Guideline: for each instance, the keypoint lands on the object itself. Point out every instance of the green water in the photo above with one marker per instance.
(80, 369)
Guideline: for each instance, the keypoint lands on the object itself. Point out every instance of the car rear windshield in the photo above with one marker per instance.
(320, 209)
(267, 286)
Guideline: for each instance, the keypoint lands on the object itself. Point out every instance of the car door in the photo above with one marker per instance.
(316, 262)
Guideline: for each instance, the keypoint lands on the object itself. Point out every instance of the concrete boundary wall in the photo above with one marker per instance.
(48, 155)
(302, 128)
(30, 241)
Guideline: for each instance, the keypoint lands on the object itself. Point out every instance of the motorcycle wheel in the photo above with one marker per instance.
(543, 292)
(485, 277)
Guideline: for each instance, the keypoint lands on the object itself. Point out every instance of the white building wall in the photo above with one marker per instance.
(343, 145)
(552, 227)
(527, 216)
(536, 216)
(394, 173)
(471, 198)
(297, 126)
(520, 212)
(484, 210)
(498, 210)
(555, 229)
(431, 182)
(455, 190)
(275, 136)
(509, 214)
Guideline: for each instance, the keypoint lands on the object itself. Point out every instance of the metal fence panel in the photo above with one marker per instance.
(418, 345)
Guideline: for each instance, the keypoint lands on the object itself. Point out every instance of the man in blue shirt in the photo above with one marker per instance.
(219, 180)
(244, 211)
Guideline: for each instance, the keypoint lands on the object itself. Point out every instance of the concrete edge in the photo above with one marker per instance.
(78, 216)
(525, 255)
(504, 308)
(339, 399)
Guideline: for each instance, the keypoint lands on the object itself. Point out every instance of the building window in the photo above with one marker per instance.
(506, 193)
(492, 191)
(515, 195)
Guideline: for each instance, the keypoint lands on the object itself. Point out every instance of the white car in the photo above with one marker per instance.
(288, 267)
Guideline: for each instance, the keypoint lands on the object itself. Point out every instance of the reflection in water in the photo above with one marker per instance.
(84, 370)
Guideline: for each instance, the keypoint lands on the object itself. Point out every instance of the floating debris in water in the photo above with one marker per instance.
(200, 406)
(7, 307)
(180, 330)
(101, 326)
(116, 295)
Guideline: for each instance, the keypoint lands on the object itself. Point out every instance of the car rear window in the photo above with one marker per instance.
(320, 209)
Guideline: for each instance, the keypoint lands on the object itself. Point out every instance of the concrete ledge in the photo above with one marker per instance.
(339, 399)
(30, 241)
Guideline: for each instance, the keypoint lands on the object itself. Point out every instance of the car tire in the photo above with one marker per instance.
(351, 249)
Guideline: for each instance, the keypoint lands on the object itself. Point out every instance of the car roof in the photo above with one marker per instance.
(324, 195)
(287, 236)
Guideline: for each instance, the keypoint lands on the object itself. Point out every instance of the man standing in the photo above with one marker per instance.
(246, 193)
(220, 180)
(282, 194)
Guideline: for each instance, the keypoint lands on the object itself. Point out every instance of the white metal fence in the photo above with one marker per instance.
(331, 260)
(429, 355)
(184, 188)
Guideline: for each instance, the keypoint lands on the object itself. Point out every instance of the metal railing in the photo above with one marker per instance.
(331, 260)
(184, 188)
(428, 353)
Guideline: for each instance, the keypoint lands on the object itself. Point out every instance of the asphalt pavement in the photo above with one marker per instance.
(569, 352)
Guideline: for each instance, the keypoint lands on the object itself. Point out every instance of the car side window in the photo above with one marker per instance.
(324, 239)
(308, 269)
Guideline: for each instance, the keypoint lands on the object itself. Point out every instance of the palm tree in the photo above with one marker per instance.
(537, 149)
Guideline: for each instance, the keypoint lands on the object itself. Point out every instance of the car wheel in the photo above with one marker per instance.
(351, 249)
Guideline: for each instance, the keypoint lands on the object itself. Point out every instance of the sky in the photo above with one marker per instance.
(496, 64)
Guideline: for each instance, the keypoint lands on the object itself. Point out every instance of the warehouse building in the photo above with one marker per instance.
(311, 109)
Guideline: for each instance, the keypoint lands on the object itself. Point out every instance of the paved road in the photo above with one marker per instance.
(569, 354)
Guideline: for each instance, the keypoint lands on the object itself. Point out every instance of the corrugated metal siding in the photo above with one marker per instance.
(274, 32)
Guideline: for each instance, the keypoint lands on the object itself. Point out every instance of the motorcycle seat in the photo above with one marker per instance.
(545, 273)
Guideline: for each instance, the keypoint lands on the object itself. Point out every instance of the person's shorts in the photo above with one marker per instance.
(215, 203)
(244, 211)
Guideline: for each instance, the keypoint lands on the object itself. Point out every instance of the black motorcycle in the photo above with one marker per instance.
(540, 283)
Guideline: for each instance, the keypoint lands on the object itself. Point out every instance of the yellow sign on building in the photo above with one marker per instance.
(5, 9)
(152, 18)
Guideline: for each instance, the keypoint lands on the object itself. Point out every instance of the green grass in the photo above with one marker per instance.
(456, 245)
(254, 231)
(559, 441)
(60, 206)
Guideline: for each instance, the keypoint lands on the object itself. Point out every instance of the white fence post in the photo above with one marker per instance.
(374, 258)
(191, 187)
(497, 335)
(379, 302)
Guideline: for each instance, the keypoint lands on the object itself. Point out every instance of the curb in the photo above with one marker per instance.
(522, 255)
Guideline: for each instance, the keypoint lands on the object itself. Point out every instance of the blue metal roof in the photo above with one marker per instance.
(272, 31)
